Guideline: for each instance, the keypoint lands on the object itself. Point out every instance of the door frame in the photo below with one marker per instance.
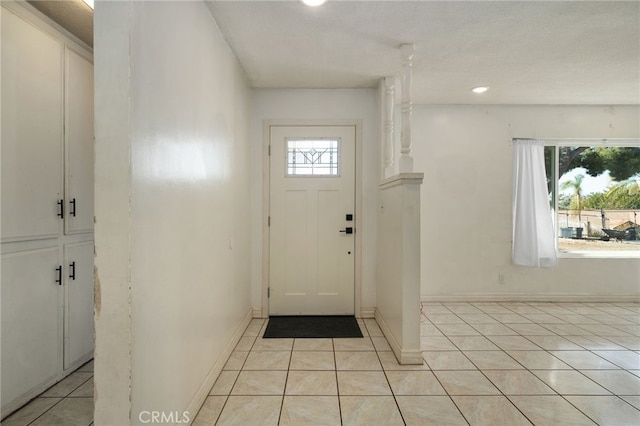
(266, 197)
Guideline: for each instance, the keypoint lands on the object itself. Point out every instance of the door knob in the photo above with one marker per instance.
(348, 230)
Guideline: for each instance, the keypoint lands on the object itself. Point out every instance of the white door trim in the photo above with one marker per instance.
(266, 164)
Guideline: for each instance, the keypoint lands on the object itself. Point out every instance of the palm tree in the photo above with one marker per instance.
(625, 194)
(631, 185)
(576, 186)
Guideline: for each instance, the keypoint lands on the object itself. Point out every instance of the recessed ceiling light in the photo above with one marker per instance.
(314, 2)
(480, 89)
(89, 3)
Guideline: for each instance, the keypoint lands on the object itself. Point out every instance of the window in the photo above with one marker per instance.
(313, 157)
(594, 190)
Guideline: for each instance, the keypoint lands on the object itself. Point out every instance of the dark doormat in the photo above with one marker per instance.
(312, 326)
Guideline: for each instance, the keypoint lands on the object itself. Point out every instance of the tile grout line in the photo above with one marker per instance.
(286, 379)
(384, 371)
(228, 395)
(561, 395)
(490, 381)
(61, 398)
(526, 369)
(335, 366)
(605, 322)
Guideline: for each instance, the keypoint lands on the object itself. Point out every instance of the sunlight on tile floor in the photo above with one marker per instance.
(485, 364)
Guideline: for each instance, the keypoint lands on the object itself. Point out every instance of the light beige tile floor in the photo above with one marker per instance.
(67, 403)
(485, 364)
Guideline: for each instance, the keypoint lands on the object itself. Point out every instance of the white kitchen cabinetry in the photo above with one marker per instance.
(32, 131)
(30, 321)
(78, 299)
(78, 143)
(47, 204)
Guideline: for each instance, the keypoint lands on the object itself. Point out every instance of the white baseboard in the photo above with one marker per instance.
(215, 370)
(404, 356)
(367, 312)
(527, 297)
(23, 399)
(413, 357)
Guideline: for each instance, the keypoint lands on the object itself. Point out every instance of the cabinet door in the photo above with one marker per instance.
(78, 143)
(30, 325)
(32, 119)
(78, 313)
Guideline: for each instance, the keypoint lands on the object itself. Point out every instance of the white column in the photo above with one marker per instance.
(406, 161)
(112, 318)
(389, 104)
(398, 268)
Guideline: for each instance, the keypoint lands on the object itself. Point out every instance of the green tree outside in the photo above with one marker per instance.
(622, 162)
(621, 196)
(576, 186)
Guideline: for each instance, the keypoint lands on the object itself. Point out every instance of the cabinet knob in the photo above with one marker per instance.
(72, 211)
(72, 270)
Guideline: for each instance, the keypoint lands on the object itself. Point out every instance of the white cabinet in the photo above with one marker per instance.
(46, 180)
(43, 105)
(30, 321)
(78, 143)
(32, 130)
(78, 298)
(46, 299)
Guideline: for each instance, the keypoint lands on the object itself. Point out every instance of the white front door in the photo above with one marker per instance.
(312, 203)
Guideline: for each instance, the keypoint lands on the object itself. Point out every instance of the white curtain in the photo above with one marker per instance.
(533, 232)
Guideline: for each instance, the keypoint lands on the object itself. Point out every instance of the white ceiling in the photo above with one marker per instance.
(73, 15)
(528, 52)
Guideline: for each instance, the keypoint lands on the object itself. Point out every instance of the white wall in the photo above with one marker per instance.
(358, 104)
(182, 220)
(465, 153)
(112, 353)
(398, 280)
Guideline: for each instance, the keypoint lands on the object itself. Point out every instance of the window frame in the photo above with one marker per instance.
(556, 144)
(338, 167)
